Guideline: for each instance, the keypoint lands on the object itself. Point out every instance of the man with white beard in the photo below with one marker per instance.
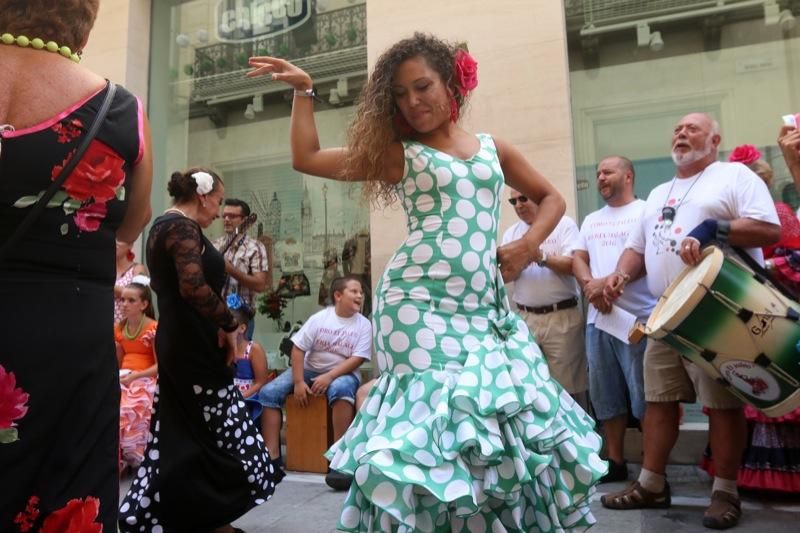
(706, 200)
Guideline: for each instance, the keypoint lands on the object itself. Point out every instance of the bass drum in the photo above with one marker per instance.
(735, 325)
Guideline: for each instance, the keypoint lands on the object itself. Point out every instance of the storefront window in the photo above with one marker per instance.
(636, 67)
(204, 112)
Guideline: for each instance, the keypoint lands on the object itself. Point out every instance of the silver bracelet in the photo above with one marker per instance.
(310, 93)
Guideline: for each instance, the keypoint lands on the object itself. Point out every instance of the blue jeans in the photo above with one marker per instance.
(273, 394)
(615, 374)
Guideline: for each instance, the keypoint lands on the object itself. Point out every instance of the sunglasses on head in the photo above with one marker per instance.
(520, 199)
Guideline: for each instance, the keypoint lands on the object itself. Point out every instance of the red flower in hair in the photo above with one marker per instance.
(745, 154)
(466, 72)
(76, 517)
(12, 400)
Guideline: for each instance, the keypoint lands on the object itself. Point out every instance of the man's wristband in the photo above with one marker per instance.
(706, 231)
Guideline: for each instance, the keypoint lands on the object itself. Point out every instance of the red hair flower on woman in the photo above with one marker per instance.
(12, 406)
(76, 517)
(466, 72)
(745, 154)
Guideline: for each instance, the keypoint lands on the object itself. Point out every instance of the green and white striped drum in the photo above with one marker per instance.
(738, 327)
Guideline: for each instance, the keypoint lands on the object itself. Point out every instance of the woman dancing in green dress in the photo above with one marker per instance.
(464, 430)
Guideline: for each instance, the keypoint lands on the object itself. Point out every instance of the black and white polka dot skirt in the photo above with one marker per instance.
(205, 464)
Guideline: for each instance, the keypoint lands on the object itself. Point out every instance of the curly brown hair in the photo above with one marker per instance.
(373, 130)
(67, 22)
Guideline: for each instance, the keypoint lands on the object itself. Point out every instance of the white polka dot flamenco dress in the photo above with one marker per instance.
(465, 430)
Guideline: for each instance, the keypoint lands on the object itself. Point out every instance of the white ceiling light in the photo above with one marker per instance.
(258, 103)
(249, 113)
(645, 38)
(771, 12)
(656, 42)
(183, 40)
(786, 20)
(341, 87)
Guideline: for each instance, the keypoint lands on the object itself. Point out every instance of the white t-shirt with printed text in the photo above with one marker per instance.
(328, 339)
(537, 286)
(723, 191)
(603, 236)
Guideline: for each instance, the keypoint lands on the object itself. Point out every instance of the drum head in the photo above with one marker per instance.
(684, 293)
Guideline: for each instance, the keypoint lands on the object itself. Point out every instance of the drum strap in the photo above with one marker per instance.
(762, 275)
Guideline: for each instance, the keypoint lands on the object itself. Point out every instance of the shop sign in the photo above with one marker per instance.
(245, 20)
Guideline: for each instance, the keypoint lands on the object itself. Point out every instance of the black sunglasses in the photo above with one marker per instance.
(521, 199)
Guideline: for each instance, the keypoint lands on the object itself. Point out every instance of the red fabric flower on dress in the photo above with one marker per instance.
(76, 517)
(89, 217)
(466, 72)
(745, 154)
(12, 400)
(98, 175)
(27, 518)
(68, 130)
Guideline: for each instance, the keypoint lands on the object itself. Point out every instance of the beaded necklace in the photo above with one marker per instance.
(39, 44)
(127, 333)
(176, 210)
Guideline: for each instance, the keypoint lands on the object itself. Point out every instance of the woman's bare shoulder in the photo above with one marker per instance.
(30, 98)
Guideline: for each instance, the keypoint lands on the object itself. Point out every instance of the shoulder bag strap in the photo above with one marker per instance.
(37, 209)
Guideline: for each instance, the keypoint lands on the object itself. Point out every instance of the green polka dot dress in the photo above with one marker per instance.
(464, 430)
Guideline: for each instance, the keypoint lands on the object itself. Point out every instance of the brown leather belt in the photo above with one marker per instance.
(563, 304)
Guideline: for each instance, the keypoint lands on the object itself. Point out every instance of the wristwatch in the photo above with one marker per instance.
(542, 262)
(309, 93)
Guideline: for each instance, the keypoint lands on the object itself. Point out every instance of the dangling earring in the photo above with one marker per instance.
(453, 109)
(401, 125)
(131, 256)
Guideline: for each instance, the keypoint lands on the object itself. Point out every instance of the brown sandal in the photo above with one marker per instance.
(724, 511)
(634, 496)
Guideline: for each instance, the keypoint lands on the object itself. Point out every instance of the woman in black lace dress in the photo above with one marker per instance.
(206, 464)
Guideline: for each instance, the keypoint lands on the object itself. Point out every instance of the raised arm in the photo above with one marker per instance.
(307, 156)
(519, 174)
(789, 141)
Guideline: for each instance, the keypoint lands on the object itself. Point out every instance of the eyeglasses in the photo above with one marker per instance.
(520, 199)
(231, 215)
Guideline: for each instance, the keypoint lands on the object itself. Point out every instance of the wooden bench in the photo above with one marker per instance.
(308, 434)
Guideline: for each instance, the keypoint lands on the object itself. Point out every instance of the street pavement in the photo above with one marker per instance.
(304, 504)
